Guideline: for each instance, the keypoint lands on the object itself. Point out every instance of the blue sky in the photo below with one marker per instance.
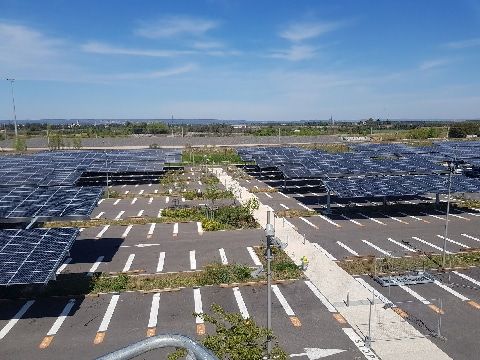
(241, 59)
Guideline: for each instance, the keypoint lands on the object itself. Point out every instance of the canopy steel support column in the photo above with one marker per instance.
(437, 199)
(328, 211)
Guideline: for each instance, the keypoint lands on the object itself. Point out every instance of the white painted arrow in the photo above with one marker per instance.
(317, 353)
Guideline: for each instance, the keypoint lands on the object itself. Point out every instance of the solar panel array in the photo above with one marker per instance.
(33, 255)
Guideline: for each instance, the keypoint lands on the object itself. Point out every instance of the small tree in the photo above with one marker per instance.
(20, 144)
(213, 193)
(56, 142)
(235, 338)
(77, 143)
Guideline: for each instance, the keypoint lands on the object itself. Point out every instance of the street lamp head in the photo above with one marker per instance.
(269, 230)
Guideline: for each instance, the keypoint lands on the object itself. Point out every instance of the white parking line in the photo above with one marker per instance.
(285, 196)
(254, 256)
(126, 192)
(175, 229)
(193, 260)
(351, 251)
(377, 248)
(223, 256)
(430, 244)
(308, 222)
(150, 201)
(325, 252)
(153, 318)
(119, 216)
(99, 215)
(47, 340)
(396, 219)
(141, 192)
(159, 213)
(6, 329)
(471, 237)
(136, 185)
(100, 201)
(64, 265)
(199, 228)
(372, 219)
(414, 294)
(100, 234)
(95, 266)
(167, 199)
(133, 201)
(81, 229)
(353, 221)
(286, 306)
(155, 191)
(199, 183)
(299, 195)
(151, 230)
(434, 216)
(304, 206)
(454, 215)
(329, 220)
(161, 261)
(284, 206)
(374, 292)
(454, 242)
(106, 320)
(149, 185)
(401, 245)
(451, 291)
(466, 277)
(140, 213)
(197, 298)
(127, 230)
(360, 344)
(123, 186)
(129, 262)
(413, 217)
(240, 303)
(117, 201)
(268, 195)
(321, 297)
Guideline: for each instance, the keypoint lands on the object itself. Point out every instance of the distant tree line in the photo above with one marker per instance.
(461, 130)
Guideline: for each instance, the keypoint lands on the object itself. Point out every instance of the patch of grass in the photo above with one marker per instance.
(329, 148)
(263, 190)
(292, 213)
(211, 155)
(209, 179)
(282, 266)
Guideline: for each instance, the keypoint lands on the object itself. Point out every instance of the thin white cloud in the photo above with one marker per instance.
(207, 45)
(463, 44)
(435, 63)
(308, 30)
(171, 26)
(295, 53)
(107, 49)
(149, 75)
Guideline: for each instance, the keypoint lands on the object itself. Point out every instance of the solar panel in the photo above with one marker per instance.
(33, 255)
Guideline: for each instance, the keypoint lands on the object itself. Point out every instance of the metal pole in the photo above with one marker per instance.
(446, 219)
(14, 109)
(269, 296)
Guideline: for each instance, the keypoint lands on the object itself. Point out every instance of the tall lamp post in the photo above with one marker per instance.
(12, 81)
(451, 169)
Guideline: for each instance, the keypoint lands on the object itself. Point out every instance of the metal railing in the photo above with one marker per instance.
(195, 350)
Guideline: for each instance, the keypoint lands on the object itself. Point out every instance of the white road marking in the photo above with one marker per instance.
(434, 216)
(140, 213)
(95, 266)
(199, 183)
(411, 216)
(64, 265)
(430, 244)
(175, 229)
(401, 245)
(150, 201)
(268, 195)
(153, 318)
(81, 229)
(451, 291)
(126, 192)
(284, 195)
(161, 261)
(328, 220)
(299, 195)
(127, 230)
(360, 344)
(454, 242)
(119, 216)
(167, 199)
(374, 292)
(129, 262)
(100, 234)
(351, 251)
(396, 219)
(325, 252)
(223, 256)
(321, 297)
(117, 201)
(99, 215)
(109, 313)
(254, 256)
(193, 260)
(149, 185)
(284, 206)
(133, 201)
(454, 215)
(159, 213)
(372, 219)
(151, 230)
(136, 185)
(58, 323)
(308, 222)
(283, 301)
(377, 248)
(471, 237)
(123, 186)
(304, 206)
(414, 294)
(353, 221)
(183, 199)
(466, 277)
(197, 298)
(155, 191)
(240, 303)
(6, 329)
(141, 192)
(100, 201)
(199, 228)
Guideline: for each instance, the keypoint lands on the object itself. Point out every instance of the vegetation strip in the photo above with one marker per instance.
(372, 265)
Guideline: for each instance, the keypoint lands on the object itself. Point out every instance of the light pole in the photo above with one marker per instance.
(270, 234)
(451, 169)
(14, 110)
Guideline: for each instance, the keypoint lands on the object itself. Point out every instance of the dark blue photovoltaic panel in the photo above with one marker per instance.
(59, 201)
(33, 255)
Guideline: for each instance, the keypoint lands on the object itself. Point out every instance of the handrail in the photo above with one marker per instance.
(196, 351)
